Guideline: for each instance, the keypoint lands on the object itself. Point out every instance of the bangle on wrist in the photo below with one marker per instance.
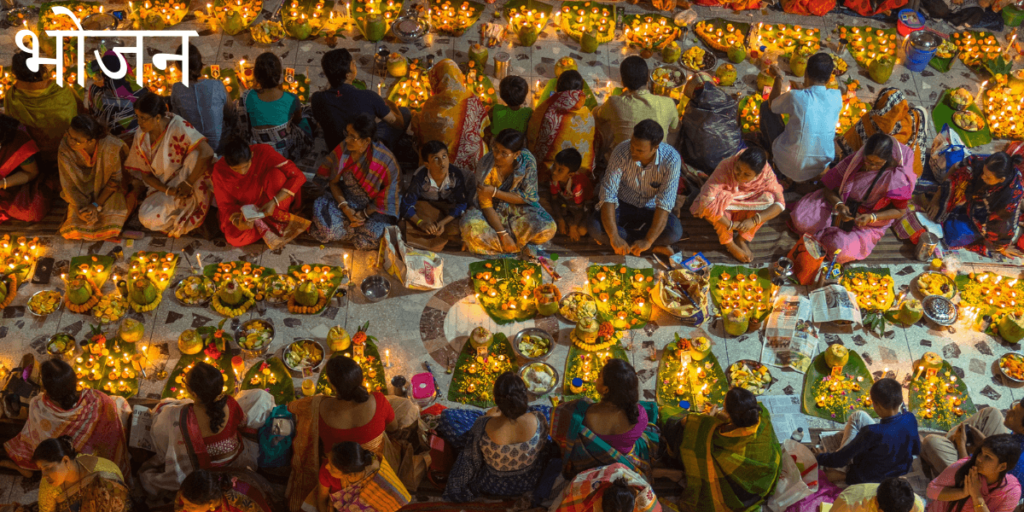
(276, 202)
(837, 205)
(419, 221)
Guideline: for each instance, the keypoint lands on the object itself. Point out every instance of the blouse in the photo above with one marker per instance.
(624, 442)
(515, 456)
(226, 441)
(384, 414)
(1001, 498)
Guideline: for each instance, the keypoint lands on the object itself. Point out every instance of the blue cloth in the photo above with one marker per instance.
(650, 187)
(958, 230)
(274, 113)
(1018, 470)
(454, 424)
(633, 225)
(202, 105)
(457, 194)
(882, 450)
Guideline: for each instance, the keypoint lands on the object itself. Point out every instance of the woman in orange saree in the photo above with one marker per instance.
(453, 115)
(562, 121)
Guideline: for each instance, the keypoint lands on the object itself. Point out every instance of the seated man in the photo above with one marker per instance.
(435, 199)
(338, 106)
(870, 451)
(637, 193)
(802, 148)
(941, 451)
(619, 114)
(892, 495)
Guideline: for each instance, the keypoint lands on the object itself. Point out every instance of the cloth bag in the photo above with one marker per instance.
(807, 257)
(947, 150)
(19, 386)
(415, 269)
(798, 477)
(276, 438)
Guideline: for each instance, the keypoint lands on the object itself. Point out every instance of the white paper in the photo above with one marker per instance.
(833, 303)
(790, 338)
(142, 422)
(786, 415)
(251, 213)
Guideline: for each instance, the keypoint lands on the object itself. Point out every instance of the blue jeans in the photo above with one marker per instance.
(634, 223)
(388, 134)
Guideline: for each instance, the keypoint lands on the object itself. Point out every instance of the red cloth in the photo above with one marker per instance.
(863, 7)
(328, 481)
(740, 5)
(384, 414)
(808, 7)
(578, 190)
(269, 172)
(31, 201)
(235, 416)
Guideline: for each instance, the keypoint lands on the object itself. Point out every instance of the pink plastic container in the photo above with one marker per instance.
(423, 390)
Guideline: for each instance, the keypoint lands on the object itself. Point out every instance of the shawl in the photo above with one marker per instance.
(736, 469)
(98, 491)
(582, 449)
(179, 445)
(891, 115)
(171, 157)
(94, 424)
(45, 112)
(583, 491)
(894, 188)
(522, 181)
(377, 174)
(379, 491)
(452, 114)
(722, 192)
(993, 210)
(14, 153)
(472, 476)
(83, 177)
(305, 450)
(561, 121)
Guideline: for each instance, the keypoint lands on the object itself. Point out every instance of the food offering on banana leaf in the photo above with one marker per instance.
(207, 344)
(109, 365)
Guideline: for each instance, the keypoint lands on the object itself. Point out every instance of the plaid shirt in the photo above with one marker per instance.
(651, 186)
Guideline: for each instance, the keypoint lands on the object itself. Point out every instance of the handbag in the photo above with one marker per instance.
(947, 150)
(807, 257)
(276, 438)
(18, 388)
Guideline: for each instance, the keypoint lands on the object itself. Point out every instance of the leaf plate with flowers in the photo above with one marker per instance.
(108, 365)
(474, 376)
(583, 367)
(701, 382)
(271, 376)
(504, 288)
(216, 351)
(623, 294)
(364, 351)
(835, 397)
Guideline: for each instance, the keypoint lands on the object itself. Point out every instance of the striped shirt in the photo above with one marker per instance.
(651, 186)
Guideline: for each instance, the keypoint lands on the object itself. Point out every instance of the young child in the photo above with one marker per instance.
(513, 114)
(353, 477)
(571, 194)
(873, 452)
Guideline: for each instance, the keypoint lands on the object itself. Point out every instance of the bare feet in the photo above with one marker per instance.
(10, 464)
(745, 248)
(663, 250)
(738, 252)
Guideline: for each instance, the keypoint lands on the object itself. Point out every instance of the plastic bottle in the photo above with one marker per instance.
(798, 435)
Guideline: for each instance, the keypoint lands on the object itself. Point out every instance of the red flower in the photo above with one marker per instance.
(359, 338)
(606, 330)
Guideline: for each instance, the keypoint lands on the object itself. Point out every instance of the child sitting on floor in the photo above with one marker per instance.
(571, 194)
(513, 114)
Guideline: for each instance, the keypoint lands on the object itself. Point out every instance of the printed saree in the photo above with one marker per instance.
(452, 114)
(891, 115)
(83, 179)
(95, 425)
(735, 470)
(102, 489)
(291, 140)
(723, 196)
(268, 174)
(560, 122)
(244, 496)
(29, 202)
(587, 487)
(582, 449)
(170, 159)
(46, 112)
(378, 491)
(976, 216)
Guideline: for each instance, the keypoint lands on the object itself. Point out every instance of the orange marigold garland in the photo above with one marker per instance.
(12, 288)
(297, 309)
(87, 305)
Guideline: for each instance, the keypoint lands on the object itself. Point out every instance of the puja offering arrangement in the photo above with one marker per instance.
(61, 345)
(750, 375)
(785, 39)
(938, 399)
(682, 293)
(303, 19)
(1012, 366)
(482, 359)
(85, 278)
(267, 32)
(316, 285)
(413, 90)
(649, 32)
(44, 302)
(111, 365)
(233, 16)
(836, 384)
(478, 83)
(303, 355)
(157, 14)
(741, 295)
(13, 273)
(18, 255)
(981, 50)
(195, 290)
(873, 287)
(586, 360)
(505, 288)
(255, 335)
(158, 267)
(363, 350)
(750, 113)
(549, 299)
(571, 305)
(993, 303)
(374, 17)
(853, 108)
(868, 43)
(298, 86)
(540, 378)
(271, 376)
(1002, 106)
(562, 65)
(206, 344)
(527, 19)
(593, 21)
(238, 286)
(722, 35)
(454, 18)
(623, 294)
(690, 377)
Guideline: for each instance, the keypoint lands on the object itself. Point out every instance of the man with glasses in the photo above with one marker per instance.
(940, 451)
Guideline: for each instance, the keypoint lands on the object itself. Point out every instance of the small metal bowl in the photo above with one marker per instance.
(532, 331)
(375, 288)
(561, 303)
(940, 310)
(1002, 371)
(539, 393)
(240, 334)
(60, 304)
(313, 368)
(68, 353)
(934, 274)
(201, 304)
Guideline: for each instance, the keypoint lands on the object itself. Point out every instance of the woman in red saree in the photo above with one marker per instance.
(562, 121)
(258, 175)
(93, 420)
(23, 194)
(452, 114)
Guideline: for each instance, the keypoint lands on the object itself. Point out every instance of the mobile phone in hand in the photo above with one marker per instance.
(44, 267)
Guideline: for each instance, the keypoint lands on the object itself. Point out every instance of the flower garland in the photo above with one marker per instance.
(307, 310)
(143, 308)
(606, 337)
(236, 311)
(87, 305)
(12, 288)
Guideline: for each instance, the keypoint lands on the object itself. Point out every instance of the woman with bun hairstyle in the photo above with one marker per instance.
(206, 432)
(78, 483)
(221, 491)
(613, 488)
(354, 479)
(503, 457)
(731, 457)
(618, 429)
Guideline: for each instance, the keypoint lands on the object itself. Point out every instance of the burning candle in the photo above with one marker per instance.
(387, 358)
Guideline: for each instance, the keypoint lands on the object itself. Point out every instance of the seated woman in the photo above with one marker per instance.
(44, 107)
(356, 479)
(453, 114)
(173, 159)
(74, 483)
(611, 488)
(890, 115)
(92, 183)
(979, 483)
(24, 194)
(204, 102)
(362, 200)
(221, 491)
(260, 177)
(508, 214)
(112, 100)
(614, 430)
(436, 197)
(94, 421)
(503, 457)
(207, 432)
(731, 458)
(321, 422)
(269, 115)
(979, 205)
(739, 197)
(562, 121)
(867, 191)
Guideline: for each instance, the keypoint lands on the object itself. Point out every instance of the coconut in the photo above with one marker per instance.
(880, 68)
(398, 65)
(528, 35)
(79, 290)
(339, 339)
(671, 53)
(726, 74)
(798, 63)
(143, 291)
(230, 293)
(736, 323)
(3, 289)
(233, 24)
(737, 54)
(307, 294)
(480, 337)
(837, 355)
(131, 330)
(190, 342)
(589, 41)
(1011, 327)
(910, 312)
(764, 80)
(929, 361)
(376, 28)
(564, 64)
(478, 54)
(700, 348)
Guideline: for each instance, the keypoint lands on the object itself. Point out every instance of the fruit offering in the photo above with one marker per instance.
(534, 346)
(60, 344)
(946, 49)
(194, 290)
(44, 303)
(968, 121)
(454, 18)
(266, 32)
(726, 75)
(8, 288)
(110, 308)
(594, 18)
(960, 99)
(255, 335)
(750, 375)
(623, 294)
(540, 378)
(722, 35)
(934, 283)
(505, 288)
(1012, 365)
(868, 43)
(694, 58)
(573, 303)
(786, 39)
(874, 289)
(303, 354)
(649, 31)
(81, 294)
(131, 330)
(279, 288)
(143, 295)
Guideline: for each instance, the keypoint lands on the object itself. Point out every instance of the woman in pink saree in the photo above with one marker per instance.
(864, 195)
(560, 122)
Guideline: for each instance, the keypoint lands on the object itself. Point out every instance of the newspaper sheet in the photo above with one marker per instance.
(833, 303)
(790, 337)
(142, 423)
(786, 415)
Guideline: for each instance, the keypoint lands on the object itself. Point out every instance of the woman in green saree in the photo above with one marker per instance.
(731, 458)
(78, 483)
